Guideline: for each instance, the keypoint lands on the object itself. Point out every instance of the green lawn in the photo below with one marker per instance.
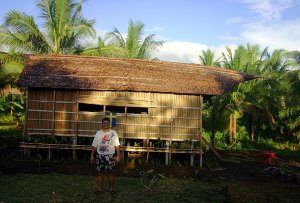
(74, 188)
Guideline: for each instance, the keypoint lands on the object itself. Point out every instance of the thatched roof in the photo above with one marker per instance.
(96, 73)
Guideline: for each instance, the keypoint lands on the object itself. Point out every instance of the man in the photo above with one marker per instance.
(106, 145)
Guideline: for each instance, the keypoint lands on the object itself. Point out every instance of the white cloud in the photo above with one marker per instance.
(283, 35)
(268, 9)
(187, 52)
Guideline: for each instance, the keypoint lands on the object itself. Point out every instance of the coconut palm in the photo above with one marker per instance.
(243, 99)
(283, 92)
(290, 110)
(135, 45)
(104, 49)
(213, 109)
(207, 58)
(63, 28)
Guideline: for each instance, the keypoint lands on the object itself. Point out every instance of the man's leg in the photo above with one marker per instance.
(100, 178)
(111, 181)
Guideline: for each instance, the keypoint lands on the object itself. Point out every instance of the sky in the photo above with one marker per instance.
(189, 26)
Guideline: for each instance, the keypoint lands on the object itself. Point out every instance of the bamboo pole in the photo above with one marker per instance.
(200, 130)
(148, 127)
(53, 113)
(77, 126)
(26, 114)
(25, 123)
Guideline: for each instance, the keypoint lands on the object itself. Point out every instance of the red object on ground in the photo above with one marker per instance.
(266, 157)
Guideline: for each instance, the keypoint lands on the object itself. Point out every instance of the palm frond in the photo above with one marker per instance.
(148, 47)
(116, 37)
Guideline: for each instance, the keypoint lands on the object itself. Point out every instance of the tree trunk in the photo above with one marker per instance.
(232, 128)
(11, 102)
(213, 130)
(250, 127)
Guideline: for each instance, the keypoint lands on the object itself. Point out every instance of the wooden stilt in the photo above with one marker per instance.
(49, 154)
(192, 155)
(74, 142)
(200, 131)
(167, 154)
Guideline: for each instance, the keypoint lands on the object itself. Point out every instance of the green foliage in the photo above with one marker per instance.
(11, 132)
(207, 58)
(268, 107)
(64, 28)
(135, 46)
(7, 119)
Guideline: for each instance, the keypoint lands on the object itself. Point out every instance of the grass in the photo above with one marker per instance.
(75, 188)
(10, 132)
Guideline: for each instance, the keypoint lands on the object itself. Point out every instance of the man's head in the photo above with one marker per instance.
(105, 123)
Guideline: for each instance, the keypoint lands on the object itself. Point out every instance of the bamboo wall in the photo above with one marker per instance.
(169, 117)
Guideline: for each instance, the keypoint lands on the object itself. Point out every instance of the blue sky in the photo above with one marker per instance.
(189, 26)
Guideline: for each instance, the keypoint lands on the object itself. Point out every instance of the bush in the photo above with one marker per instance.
(7, 119)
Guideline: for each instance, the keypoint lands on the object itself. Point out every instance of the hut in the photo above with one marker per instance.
(69, 95)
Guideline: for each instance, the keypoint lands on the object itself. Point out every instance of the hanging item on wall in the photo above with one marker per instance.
(112, 117)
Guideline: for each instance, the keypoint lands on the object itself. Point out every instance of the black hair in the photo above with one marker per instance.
(106, 119)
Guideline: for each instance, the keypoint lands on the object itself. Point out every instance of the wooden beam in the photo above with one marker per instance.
(89, 147)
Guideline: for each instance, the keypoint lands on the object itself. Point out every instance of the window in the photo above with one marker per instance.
(137, 110)
(90, 107)
(116, 109)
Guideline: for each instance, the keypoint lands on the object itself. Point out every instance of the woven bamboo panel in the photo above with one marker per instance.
(138, 124)
(38, 105)
(41, 94)
(172, 117)
(89, 122)
(186, 101)
(189, 122)
(162, 132)
(39, 115)
(65, 127)
(65, 116)
(161, 111)
(115, 94)
(162, 99)
(40, 125)
(66, 95)
(188, 113)
(160, 120)
(66, 107)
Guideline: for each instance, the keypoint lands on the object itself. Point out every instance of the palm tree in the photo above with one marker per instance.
(104, 49)
(289, 112)
(135, 45)
(243, 100)
(207, 58)
(284, 92)
(64, 29)
(213, 109)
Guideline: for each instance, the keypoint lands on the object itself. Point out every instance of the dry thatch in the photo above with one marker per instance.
(95, 73)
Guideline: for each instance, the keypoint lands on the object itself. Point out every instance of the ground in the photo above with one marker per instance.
(247, 181)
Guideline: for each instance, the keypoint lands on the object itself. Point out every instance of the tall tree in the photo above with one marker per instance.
(135, 45)
(63, 28)
(242, 99)
(208, 58)
(214, 109)
(283, 91)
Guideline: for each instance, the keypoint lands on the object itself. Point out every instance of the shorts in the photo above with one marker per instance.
(105, 163)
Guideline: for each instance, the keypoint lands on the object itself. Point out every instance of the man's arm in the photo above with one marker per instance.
(92, 158)
(118, 154)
